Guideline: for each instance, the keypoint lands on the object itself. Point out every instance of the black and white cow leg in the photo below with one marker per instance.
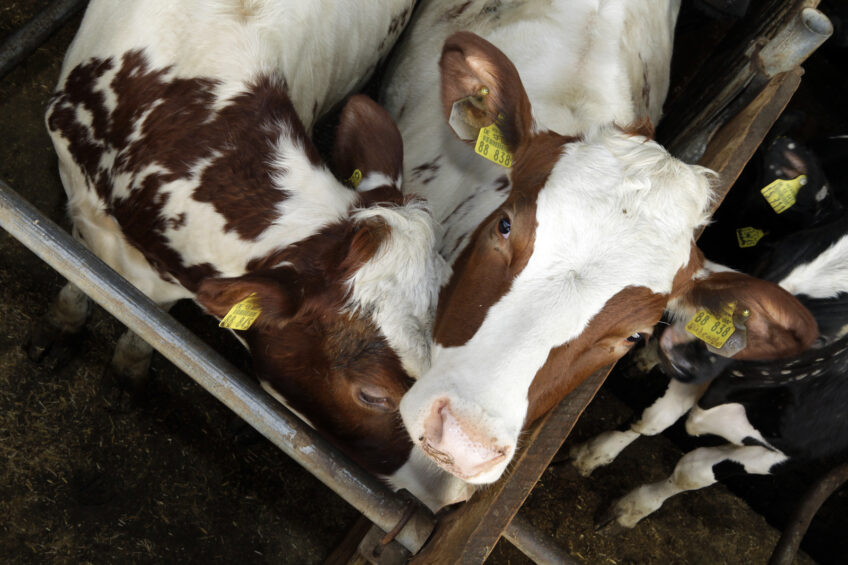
(697, 469)
(55, 333)
(728, 421)
(604, 448)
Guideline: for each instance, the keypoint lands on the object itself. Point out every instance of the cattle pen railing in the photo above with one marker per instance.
(384, 508)
(468, 534)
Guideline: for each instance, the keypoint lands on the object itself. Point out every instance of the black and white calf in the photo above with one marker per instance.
(769, 411)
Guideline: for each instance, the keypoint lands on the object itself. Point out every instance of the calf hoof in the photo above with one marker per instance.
(45, 340)
(607, 522)
(123, 391)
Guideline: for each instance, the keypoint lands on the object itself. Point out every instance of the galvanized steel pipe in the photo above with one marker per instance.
(35, 32)
(536, 545)
(794, 43)
(241, 394)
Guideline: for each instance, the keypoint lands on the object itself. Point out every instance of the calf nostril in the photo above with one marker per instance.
(434, 425)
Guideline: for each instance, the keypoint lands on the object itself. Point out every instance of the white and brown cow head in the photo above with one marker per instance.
(345, 315)
(558, 281)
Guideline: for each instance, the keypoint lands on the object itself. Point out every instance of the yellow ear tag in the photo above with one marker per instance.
(355, 178)
(242, 315)
(713, 329)
(491, 145)
(781, 193)
(749, 237)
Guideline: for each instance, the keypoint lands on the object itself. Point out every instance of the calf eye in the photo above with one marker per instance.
(504, 227)
(636, 338)
(372, 400)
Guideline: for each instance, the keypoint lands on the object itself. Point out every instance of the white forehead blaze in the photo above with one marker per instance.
(616, 211)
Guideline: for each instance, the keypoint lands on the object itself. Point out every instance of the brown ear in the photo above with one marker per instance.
(366, 241)
(481, 86)
(367, 140)
(778, 325)
(277, 291)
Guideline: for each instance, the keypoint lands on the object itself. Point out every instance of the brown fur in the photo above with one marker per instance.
(779, 325)
(363, 119)
(470, 63)
(602, 343)
(305, 343)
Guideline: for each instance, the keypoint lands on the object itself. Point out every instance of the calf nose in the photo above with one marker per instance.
(459, 447)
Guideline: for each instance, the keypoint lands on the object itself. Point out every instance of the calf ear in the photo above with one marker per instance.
(367, 141)
(278, 294)
(778, 325)
(481, 86)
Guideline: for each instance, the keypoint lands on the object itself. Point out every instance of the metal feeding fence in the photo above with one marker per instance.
(718, 118)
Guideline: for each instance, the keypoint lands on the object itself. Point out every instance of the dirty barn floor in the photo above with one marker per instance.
(84, 479)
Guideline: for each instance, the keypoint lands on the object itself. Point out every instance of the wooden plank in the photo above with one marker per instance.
(469, 533)
(734, 144)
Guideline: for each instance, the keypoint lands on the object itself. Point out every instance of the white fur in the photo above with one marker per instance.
(399, 286)
(725, 420)
(693, 471)
(324, 49)
(432, 486)
(662, 414)
(824, 277)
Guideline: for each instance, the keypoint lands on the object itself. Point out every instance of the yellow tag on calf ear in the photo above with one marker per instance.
(355, 178)
(749, 237)
(781, 193)
(242, 315)
(491, 145)
(712, 329)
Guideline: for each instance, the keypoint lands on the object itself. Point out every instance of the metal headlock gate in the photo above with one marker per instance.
(719, 120)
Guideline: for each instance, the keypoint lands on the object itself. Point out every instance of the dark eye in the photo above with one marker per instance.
(636, 338)
(371, 399)
(504, 226)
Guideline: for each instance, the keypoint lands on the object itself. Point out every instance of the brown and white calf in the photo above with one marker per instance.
(181, 130)
(560, 261)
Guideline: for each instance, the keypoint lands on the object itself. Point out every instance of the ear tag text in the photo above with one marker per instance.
(781, 193)
(491, 145)
(710, 328)
(749, 237)
(242, 315)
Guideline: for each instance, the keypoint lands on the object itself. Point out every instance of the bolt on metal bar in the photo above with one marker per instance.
(191, 355)
(35, 32)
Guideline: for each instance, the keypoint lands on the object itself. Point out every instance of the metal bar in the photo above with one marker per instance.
(191, 355)
(790, 539)
(536, 545)
(35, 32)
(794, 43)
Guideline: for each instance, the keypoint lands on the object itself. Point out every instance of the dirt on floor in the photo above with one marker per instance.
(84, 478)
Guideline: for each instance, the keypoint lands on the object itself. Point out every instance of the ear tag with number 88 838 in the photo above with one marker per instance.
(724, 333)
(492, 146)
